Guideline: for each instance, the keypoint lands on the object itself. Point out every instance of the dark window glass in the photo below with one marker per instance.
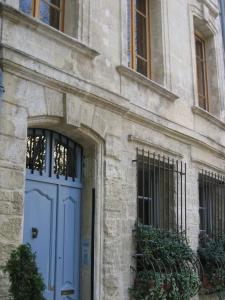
(155, 193)
(141, 6)
(36, 151)
(141, 66)
(26, 6)
(141, 41)
(64, 159)
(211, 204)
(201, 72)
(50, 14)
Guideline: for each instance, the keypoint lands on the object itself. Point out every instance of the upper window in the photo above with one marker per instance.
(50, 12)
(201, 72)
(139, 36)
(161, 191)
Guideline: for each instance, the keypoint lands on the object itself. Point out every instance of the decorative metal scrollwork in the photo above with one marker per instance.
(36, 151)
(53, 154)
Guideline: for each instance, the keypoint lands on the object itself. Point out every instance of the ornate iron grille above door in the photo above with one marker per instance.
(161, 191)
(52, 154)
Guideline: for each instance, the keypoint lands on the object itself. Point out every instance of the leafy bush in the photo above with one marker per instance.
(166, 266)
(25, 281)
(212, 256)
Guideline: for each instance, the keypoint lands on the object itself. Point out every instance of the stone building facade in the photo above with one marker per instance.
(79, 84)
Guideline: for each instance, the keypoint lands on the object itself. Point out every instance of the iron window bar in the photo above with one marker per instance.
(211, 204)
(161, 191)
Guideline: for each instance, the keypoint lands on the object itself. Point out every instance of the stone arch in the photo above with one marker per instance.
(93, 146)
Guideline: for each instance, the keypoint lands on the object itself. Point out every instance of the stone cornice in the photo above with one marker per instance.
(46, 30)
(150, 144)
(209, 117)
(152, 85)
(208, 165)
(213, 8)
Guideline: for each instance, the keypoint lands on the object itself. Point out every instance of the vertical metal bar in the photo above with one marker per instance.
(177, 197)
(173, 194)
(143, 187)
(169, 193)
(64, 160)
(93, 244)
(51, 155)
(220, 204)
(185, 196)
(158, 194)
(163, 200)
(213, 187)
(154, 193)
(67, 161)
(149, 196)
(181, 196)
(137, 182)
(34, 145)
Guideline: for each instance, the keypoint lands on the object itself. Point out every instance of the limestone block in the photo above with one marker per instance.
(7, 126)
(8, 145)
(10, 229)
(11, 179)
(87, 113)
(99, 124)
(113, 147)
(36, 100)
(112, 169)
(54, 102)
(72, 110)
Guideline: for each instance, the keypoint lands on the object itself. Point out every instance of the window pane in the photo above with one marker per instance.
(199, 48)
(129, 31)
(36, 151)
(141, 6)
(49, 14)
(142, 66)
(64, 159)
(26, 6)
(141, 37)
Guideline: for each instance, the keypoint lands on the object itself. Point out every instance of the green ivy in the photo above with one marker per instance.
(166, 266)
(212, 255)
(25, 281)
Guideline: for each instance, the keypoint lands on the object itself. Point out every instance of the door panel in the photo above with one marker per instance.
(40, 214)
(68, 244)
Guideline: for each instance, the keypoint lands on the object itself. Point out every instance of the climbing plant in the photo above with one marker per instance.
(166, 266)
(25, 281)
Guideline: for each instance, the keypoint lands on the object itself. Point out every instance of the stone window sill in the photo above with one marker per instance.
(152, 85)
(208, 116)
(46, 30)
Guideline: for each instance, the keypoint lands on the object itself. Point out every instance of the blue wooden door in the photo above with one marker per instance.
(52, 224)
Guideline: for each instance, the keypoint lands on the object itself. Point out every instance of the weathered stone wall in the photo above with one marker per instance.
(56, 82)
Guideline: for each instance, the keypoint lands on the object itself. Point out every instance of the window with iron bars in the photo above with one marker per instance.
(211, 204)
(161, 191)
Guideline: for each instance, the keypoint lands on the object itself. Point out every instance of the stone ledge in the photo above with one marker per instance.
(158, 147)
(208, 116)
(152, 85)
(46, 30)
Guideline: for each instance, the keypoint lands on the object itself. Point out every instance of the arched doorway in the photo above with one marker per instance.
(52, 210)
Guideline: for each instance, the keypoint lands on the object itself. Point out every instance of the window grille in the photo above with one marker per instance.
(161, 191)
(53, 155)
(211, 204)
